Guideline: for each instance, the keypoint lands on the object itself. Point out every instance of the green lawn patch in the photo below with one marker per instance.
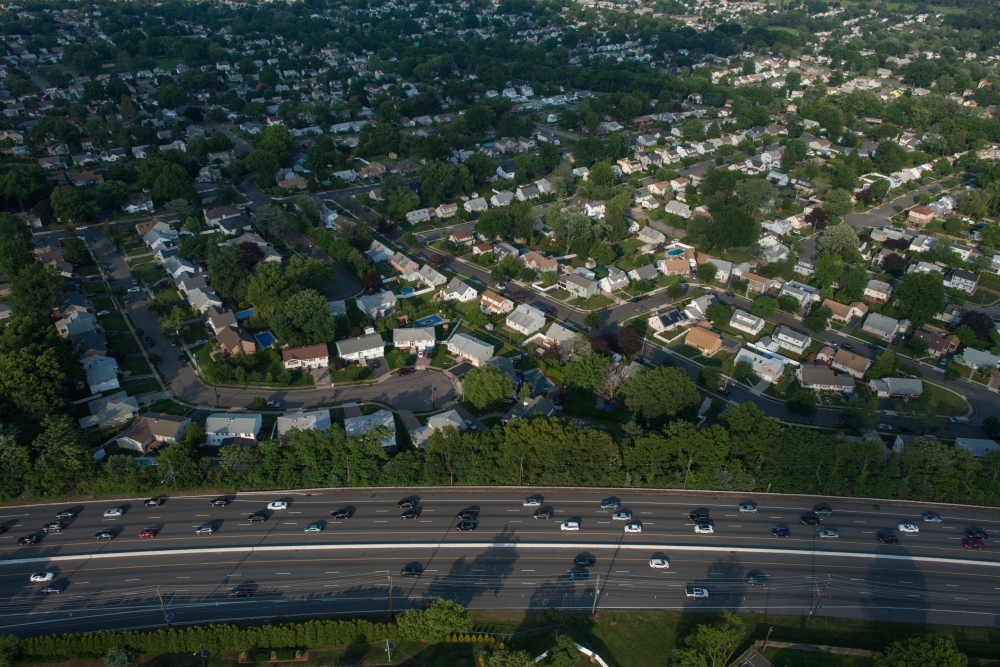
(397, 358)
(947, 402)
(143, 388)
(791, 658)
(123, 342)
(113, 322)
(137, 366)
(168, 407)
(441, 358)
(171, 294)
(559, 294)
(593, 303)
(104, 303)
(95, 286)
(353, 373)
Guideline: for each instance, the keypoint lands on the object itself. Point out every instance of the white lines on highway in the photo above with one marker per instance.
(521, 571)
(131, 580)
(291, 523)
(377, 521)
(516, 521)
(859, 521)
(603, 522)
(645, 512)
(867, 532)
(381, 510)
(183, 577)
(201, 515)
(734, 526)
(295, 512)
(282, 572)
(954, 538)
(334, 572)
(152, 517)
(9, 516)
(906, 582)
(952, 585)
(961, 598)
(513, 510)
(732, 516)
(621, 571)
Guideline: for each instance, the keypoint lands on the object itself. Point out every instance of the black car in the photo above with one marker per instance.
(407, 502)
(847, 346)
(634, 299)
(542, 514)
(220, 502)
(66, 514)
(468, 515)
(150, 342)
(241, 592)
(887, 537)
(699, 516)
(410, 571)
(467, 525)
(104, 535)
(757, 579)
(810, 519)
(257, 516)
(52, 588)
(154, 502)
(53, 527)
(28, 539)
(975, 534)
(730, 294)
(411, 514)
(585, 561)
(341, 514)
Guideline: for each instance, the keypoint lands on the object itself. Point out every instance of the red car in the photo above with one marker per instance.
(973, 544)
(147, 532)
(404, 371)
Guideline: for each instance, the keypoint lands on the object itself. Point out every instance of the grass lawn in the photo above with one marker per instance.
(593, 303)
(397, 358)
(867, 337)
(152, 275)
(441, 358)
(168, 407)
(353, 373)
(171, 294)
(104, 303)
(792, 658)
(688, 352)
(123, 342)
(95, 286)
(143, 388)
(949, 404)
(982, 297)
(114, 322)
(137, 366)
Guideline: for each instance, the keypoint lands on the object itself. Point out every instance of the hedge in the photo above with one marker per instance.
(223, 637)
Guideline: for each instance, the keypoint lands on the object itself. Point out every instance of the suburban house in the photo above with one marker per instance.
(756, 284)
(465, 238)
(502, 198)
(674, 267)
(236, 341)
(845, 313)
(430, 277)
(220, 319)
(358, 426)
(976, 447)
(306, 356)
(446, 210)
(697, 309)
(963, 281)
(539, 405)
(368, 346)
(413, 339)
(724, 269)
(802, 293)
(153, 428)
(315, 420)
(748, 322)
(470, 349)
(102, 373)
(906, 388)
(878, 291)
(477, 205)
(668, 320)
(540, 263)
(766, 367)
(939, 341)
(978, 360)
(224, 429)
(419, 215)
(920, 215)
(456, 289)
(651, 235)
(409, 269)
(703, 340)
(525, 319)
(202, 298)
(882, 326)
(649, 273)
(378, 252)
(557, 335)
(579, 286)
(819, 377)
(494, 304)
(853, 364)
(790, 339)
(110, 411)
(376, 305)
(615, 280)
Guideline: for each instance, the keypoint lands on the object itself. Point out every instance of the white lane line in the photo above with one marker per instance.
(859, 521)
(282, 572)
(183, 577)
(774, 517)
(645, 512)
(516, 521)
(131, 580)
(377, 521)
(521, 571)
(735, 526)
(295, 512)
(906, 582)
(334, 572)
(381, 510)
(603, 522)
(426, 520)
(152, 517)
(513, 510)
(200, 515)
(952, 585)
(291, 523)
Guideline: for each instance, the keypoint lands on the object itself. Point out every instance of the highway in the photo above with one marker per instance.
(510, 561)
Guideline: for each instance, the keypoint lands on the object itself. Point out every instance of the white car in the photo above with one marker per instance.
(104, 312)
(828, 533)
(635, 527)
(134, 290)
(748, 506)
(570, 525)
(931, 517)
(704, 529)
(113, 512)
(277, 505)
(908, 528)
(42, 577)
(624, 515)
(693, 592)
(532, 502)
(659, 563)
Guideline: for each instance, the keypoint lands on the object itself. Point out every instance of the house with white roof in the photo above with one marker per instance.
(222, 429)
(747, 322)
(378, 252)
(525, 319)
(457, 290)
(368, 346)
(792, 340)
(356, 427)
(494, 304)
(430, 277)
(768, 368)
(315, 420)
(377, 305)
(420, 338)
(470, 349)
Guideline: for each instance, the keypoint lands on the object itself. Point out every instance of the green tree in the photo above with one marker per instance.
(14, 466)
(68, 205)
(592, 319)
(707, 272)
(304, 319)
(711, 645)
(486, 385)
(36, 288)
(563, 654)
(119, 656)
(585, 372)
(674, 291)
(838, 239)
(764, 306)
(15, 244)
(171, 183)
(660, 392)
(789, 304)
(602, 253)
(885, 364)
(743, 371)
(434, 621)
(802, 402)
(829, 268)
(111, 195)
(921, 652)
(63, 458)
(268, 289)
(919, 296)
(74, 250)
(839, 202)
(504, 657)
(757, 195)
(229, 272)
(174, 324)
(818, 319)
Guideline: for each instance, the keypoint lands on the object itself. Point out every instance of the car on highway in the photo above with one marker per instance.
(887, 537)
(976, 534)
(809, 520)
(634, 527)
(411, 514)
(155, 502)
(748, 506)
(931, 517)
(52, 588)
(659, 563)
(67, 514)
(698, 515)
(343, 513)
(822, 509)
(313, 528)
(206, 529)
(407, 503)
(533, 501)
(257, 517)
(542, 514)
(28, 539)
(410, 571)
(242, 592)
(579, 575)
(695, 592)
(106, 534)
(780, 531)
(569, 525)
(905, 527)
(827, 533)
(757, 579)
(221, 501)
(147, 532)
(42, 577)
(53, 527)
(402, 372)
(704, 528)
(610, 504)
(114, 512)
(585, 561)
(467, 525)
(468, 514)
(277, 505)
(973, 544)
(624, 515)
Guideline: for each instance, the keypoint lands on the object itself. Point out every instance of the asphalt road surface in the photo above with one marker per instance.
(510, 561)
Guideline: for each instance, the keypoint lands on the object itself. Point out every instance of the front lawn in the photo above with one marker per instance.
(396, 358)
(113, 322)
(142, 388)
(353, 373)
(947, 402)
(123, 342)
(136, 366)
(593, 303)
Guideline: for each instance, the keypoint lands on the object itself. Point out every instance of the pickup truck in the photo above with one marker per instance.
(695, 592)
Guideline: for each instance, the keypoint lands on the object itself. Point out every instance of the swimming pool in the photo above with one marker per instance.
(431, 321)
(265, 338)
(244, 314)
(675, 252)
(537, 380)
(406, 290)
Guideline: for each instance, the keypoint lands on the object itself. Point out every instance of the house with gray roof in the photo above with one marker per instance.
(790, 339)
(358, 426)
(369, 346)
(978, 359)
(430, 277)
(897, 387)
(315, 420)
(377, 305)
(470, 349)
(222, 429)
(525, 319)
(110, 411)
(580, 286)
(883, 326)
(419, 338)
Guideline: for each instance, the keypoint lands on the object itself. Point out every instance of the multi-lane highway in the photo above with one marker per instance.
(511, 560)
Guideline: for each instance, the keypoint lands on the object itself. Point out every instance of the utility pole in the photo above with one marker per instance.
(390, 601)
(769, 631)
(819, 600)
(388, 649)
(166, 617)
(597, 592)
